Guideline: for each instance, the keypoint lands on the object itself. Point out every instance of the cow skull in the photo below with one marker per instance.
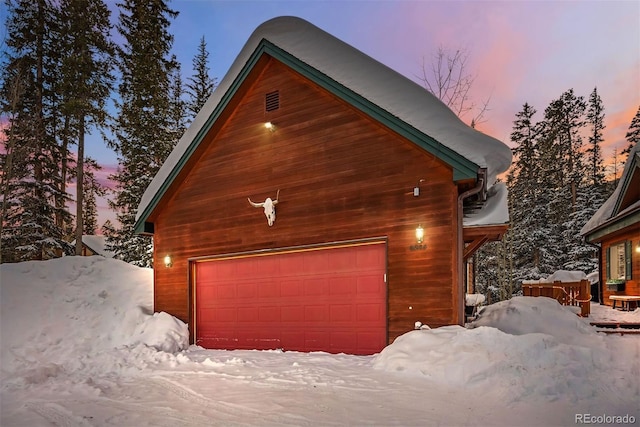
(269, 208)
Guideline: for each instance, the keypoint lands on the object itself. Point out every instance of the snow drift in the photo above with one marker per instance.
(81, 346)
(57, 313)
(531, 342)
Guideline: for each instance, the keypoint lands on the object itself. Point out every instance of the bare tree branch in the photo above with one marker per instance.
(447, 79)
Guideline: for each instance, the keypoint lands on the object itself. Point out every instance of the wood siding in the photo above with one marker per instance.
(341, 175)
(632, 286)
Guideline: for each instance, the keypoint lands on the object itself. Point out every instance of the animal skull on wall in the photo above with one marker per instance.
(269, 208)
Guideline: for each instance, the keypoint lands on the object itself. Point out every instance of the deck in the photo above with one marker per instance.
(577, 294)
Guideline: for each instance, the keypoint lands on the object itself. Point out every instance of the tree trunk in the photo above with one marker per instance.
(79, 186)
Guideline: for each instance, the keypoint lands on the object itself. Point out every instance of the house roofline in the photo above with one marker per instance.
(615, 224)
(463, 169)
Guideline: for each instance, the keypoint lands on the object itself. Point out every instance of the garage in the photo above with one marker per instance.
(331, 299)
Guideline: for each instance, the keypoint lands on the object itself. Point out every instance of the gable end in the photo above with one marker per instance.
(463, 169)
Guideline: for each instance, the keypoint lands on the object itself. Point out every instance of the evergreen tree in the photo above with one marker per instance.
(200, 86)
(595, 117)
(142, 130)
(633, 134)
(33, 208)
(177, 106)
(92, 190)
(551, 196)
(524, 180)
(564, 170)
(87, 79)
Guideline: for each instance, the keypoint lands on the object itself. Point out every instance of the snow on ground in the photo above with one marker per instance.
(80, 346)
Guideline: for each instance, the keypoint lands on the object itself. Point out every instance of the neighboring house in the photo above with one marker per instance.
(615, 227)
(361, 160)
(94, 245)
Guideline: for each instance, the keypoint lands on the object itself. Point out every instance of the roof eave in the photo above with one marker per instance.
(615, 224)
(463, 169)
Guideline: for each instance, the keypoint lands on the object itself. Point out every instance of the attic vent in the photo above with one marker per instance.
(272, 101)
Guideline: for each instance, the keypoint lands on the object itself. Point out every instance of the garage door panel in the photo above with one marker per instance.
(341, 313)
(248, 315)
(293, 313)
(317, 340)
(222, 314)
(292, 265)
(368, 313)
(225, 291)
(316, 313)
(316, 287)
(291, 339)
(342, 286)
(247, 290)
(290, 288)
(320, 300)
(269, 289)
(268, 314)
(314, 262)
(222, 271)
(344, 340)
(369, 257)
(207, 295)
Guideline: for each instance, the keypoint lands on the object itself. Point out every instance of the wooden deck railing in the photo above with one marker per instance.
(576, 294)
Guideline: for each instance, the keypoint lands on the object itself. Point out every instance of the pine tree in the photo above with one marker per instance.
(551, 196)
(92, 190)
(177, 106)
(201, 85)
(595, 118)
(524, 180)
(87, 79)
(633, 134)
(142, 133)
(590, 194)
(33, 199)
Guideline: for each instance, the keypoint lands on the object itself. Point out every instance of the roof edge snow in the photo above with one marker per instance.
(495, 211)
(610, 212)
(382, 93)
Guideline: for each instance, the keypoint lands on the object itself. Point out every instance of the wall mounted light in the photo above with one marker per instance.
(416, 189)
(270, 126)
(419, 234)
(638, 247)
(168, 262)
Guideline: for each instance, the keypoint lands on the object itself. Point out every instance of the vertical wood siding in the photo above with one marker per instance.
(341, 175)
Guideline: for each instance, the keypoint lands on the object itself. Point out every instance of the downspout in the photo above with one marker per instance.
(480, 185)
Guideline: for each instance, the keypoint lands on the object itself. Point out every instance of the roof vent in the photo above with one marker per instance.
(272, 101)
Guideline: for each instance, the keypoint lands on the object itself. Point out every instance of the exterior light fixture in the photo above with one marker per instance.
(638, 248)
(270, 126)
(168, 262)
(416, 189)
(419, 234)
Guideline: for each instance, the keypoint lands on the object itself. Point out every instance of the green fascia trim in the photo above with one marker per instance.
(612, 227)
(625, 184)
(462, 167)
(139, 226)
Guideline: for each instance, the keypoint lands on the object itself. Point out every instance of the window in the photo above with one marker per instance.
(619, 261)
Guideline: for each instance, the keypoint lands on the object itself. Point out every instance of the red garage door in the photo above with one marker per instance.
(330, 299)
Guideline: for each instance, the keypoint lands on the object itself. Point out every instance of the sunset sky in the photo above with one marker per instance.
(520, 51)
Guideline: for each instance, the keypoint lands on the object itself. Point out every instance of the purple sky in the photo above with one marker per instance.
(520, 51)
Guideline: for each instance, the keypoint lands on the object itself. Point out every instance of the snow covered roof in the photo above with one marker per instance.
(97, 244)
(612, 209)
(368, 84)
(495, 211)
